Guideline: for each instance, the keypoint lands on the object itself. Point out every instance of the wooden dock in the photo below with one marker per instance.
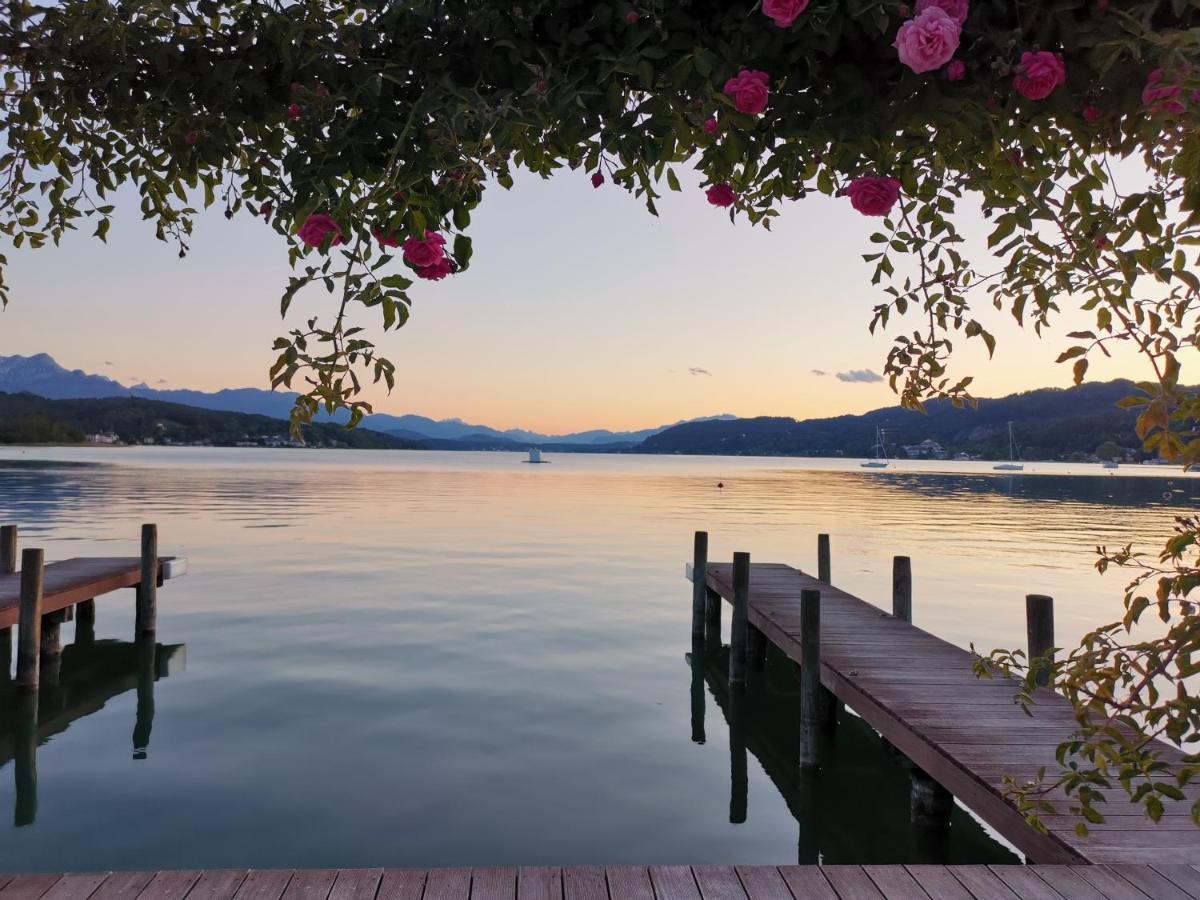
(965, 733)
(1120, 882)
(73, 581)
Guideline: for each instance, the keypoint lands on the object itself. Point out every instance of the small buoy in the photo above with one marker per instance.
(720, 484)
(1166, 496)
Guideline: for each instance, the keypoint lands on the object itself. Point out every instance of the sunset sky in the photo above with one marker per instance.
(580, 310)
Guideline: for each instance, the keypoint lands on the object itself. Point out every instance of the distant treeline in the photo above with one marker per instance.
(1051, 423)
(28, 419)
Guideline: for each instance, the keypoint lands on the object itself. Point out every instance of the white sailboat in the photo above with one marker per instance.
(1012, 465)
(878, 458)
(535, 456)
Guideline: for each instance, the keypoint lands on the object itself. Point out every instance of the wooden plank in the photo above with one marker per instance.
(72, 581)
(76, 886)
(852, 883)
(494, 883)
(585, 883)
(218, 884)
(540, 883)
(356, 884)
(718, 883)
(310, 884)
(1024, 883)
(264, 884)
(895, 883)
(402, 884)
(1067, 882)
(1150, 882)
(1182, 875)
(982, 883)
(448, 884)
(1109, 883)
(28, 887)
(674, 883)
(763, 883)
(629, 883)
(939, 882)
(170, 886)
(123, 886)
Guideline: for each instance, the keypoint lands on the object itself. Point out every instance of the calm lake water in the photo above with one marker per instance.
(402, 658)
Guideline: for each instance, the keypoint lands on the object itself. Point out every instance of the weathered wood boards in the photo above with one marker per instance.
(74, 581)
(918, 691)
(925, 882)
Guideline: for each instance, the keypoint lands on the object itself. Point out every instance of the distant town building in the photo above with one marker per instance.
(104, 437)
(927, 449)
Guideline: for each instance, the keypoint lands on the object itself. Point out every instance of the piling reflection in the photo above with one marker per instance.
(89, 673)
(857, 807)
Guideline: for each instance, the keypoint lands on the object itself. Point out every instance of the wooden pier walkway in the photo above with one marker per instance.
(925, 882)
(919, 693)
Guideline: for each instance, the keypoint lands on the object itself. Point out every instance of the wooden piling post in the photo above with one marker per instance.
(1039, 624)
(756, 646)
(739, 775)
(712, 617)
(85, 623)
(931, 803)
(8, 549)
(29, 631)
(737, 627)
(812, 713)
(50, 648)
(6, 650)
(147, 592)
(823, 559)
(696, 661)
(699, 584)
(25, 758)
(147, 674)
(902, 588)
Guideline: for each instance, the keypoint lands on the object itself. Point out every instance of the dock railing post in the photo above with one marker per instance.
(902, 588)
(737, 628)
(823, 558)
(812, 714)
(8, 566)
(699, 584)
(29, 629)
(1039, 623)
(147, 591)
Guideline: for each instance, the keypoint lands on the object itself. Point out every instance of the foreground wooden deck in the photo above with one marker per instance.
(73, 581)
(918, 691)
(1128, 882)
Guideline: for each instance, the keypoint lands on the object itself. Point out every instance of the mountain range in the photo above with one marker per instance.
(40, 374)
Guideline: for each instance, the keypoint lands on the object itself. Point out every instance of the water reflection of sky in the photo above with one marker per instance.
(431, 659)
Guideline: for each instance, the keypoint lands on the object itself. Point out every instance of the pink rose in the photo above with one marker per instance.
(597, 179)
(436, 271)
(293, 111)
(1039, 73)
(955, 9)
(956, 70)
(1162, 98)
(929, 40)
(316, 228)
(386, 240)
(421, 253)
(783, 12)
(749, 91)
(711, 126)
(1091, 114)
(721, 195)
(873, 196)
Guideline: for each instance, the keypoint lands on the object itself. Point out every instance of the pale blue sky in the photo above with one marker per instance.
(579, 310)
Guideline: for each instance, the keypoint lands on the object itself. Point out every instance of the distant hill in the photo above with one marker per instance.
(28, 419)
(1051, 423)
(40, 374)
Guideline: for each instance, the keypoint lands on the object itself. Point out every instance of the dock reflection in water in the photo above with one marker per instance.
(88, 675)
(855, 808)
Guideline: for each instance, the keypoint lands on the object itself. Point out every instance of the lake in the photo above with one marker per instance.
(417, 658)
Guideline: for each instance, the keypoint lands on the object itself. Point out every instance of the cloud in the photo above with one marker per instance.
(865, 376)
(696, 370)
(819, 372)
